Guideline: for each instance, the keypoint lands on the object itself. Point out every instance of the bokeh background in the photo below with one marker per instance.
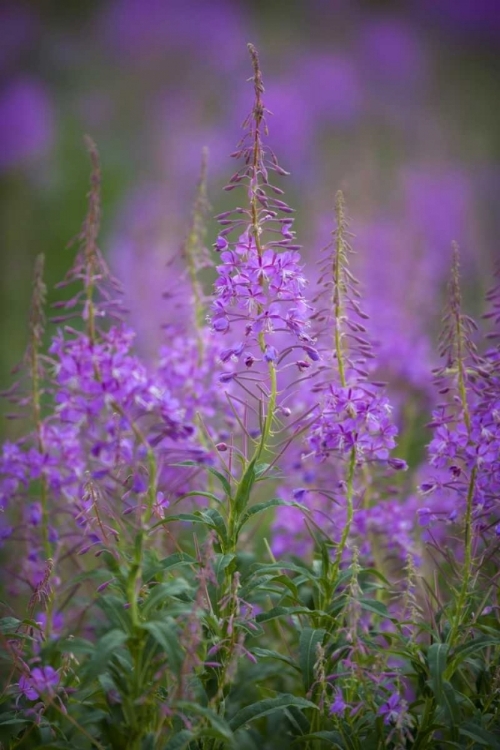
(394, 102)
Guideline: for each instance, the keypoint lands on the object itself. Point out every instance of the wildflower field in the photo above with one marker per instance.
(268, 515)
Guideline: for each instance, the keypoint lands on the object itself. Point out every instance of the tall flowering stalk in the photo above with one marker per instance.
(261, 311)
(353, 421)
(260, 304)
(454, 443)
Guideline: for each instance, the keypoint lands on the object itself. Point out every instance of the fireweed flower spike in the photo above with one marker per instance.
(463, 449)
(452, 420)
(259, 301)
(352, 429)
(354, 419)
(353, 423)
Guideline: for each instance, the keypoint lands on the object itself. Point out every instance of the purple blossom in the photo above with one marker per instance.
(105, 378)
(40, 681)
(336, 96)
(26, 122)
(338, 706)
(393, 709)
(354, 418)
(392, 53)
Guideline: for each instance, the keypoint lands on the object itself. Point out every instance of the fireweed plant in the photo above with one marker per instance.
(221, 550)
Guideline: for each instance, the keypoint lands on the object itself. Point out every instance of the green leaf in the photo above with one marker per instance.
(309, 640)
(450, 703)
(266, 707)
(266, 653)
(245, 485)
(481, 735)
(165, 634)
(436, 658)
(111, 561)
(261, 469)
(220, 565)
(180, 740)
(104, 650)
(275, 612)
(286, 581)
(114, 609)
(379, 608)
(221, 727)
(260, 507)
(13, 720)
(222, 479)
(329, 736)
(201, 493)
(9, 625)
(309, 575)
(177, 560)
(298, 721)
(252, 584)
(213, 518)
(161, 593)
(79, 646)
(466, 649)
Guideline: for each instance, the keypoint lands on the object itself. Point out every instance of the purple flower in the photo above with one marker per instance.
(40, 681)
(271, 354)
(392, 709)
(354, 418)
(221, 244)
(339, 705)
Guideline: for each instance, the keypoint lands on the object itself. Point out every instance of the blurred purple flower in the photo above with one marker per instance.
(438, 208)
(26, 122)
(142, 31)
(391, 52)
(330, 85)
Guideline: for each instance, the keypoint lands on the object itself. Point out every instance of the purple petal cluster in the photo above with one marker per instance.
(354, 418)
(262, 291)
(104, 387)
(40, 681)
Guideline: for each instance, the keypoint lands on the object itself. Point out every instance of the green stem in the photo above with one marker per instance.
(467, 568)
(350, 513)
(268, 423)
